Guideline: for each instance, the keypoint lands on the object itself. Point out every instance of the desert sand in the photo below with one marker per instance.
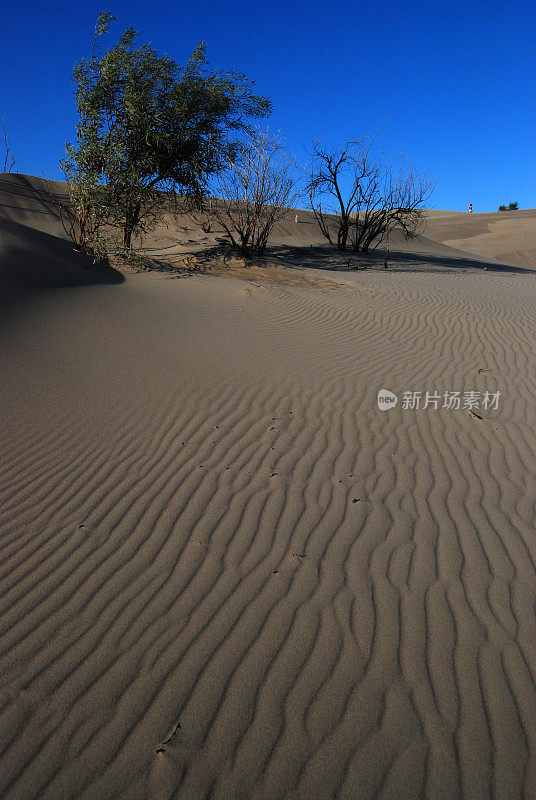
(225, 573)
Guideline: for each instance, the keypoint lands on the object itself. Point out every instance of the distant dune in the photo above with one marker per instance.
(224, 571)
(508, 236)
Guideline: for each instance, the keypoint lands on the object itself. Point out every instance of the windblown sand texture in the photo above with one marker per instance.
(508, 236)
(224, 572)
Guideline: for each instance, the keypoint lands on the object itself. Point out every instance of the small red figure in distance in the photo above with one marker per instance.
(470, 208)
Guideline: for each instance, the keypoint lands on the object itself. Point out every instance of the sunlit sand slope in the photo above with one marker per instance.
(508, 236)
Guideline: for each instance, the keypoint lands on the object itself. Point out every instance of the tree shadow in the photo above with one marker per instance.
(328, 258)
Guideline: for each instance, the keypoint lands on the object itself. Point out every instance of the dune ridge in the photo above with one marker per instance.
(225, 573)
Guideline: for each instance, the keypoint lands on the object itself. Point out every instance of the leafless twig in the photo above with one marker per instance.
(257, 190)
(9, 155)
(377, 200)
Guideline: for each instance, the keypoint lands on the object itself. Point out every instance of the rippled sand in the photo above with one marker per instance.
(225, 573)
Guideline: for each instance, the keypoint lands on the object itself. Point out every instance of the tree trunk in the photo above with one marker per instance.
(83, 217)
(342, 239)
(131, 220)
(127, 236)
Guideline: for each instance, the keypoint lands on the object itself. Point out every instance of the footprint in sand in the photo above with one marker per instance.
(171, 759)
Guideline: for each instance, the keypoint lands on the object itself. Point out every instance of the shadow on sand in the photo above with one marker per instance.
(32, 261)
(330, 259)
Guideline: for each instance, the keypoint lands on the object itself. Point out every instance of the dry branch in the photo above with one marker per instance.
(257, 188)
(9, 157)
(376, 201)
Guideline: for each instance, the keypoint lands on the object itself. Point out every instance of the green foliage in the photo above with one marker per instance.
(84, 164)
(148, 125)
(510, 207)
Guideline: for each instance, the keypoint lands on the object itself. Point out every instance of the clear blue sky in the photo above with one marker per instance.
(459, 78)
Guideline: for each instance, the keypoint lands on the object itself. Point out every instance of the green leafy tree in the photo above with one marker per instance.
(83, 168)
(149, 127)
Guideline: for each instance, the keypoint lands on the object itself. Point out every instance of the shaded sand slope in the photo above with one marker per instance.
(224, 573)
(32, 261)
(35, 254)
(26, 199)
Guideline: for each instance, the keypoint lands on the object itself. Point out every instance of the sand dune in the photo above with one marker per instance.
(225, 573)
(33, 261)
(30, 201)
(508, 236)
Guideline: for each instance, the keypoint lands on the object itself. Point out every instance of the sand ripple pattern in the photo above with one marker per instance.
(259, 586)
